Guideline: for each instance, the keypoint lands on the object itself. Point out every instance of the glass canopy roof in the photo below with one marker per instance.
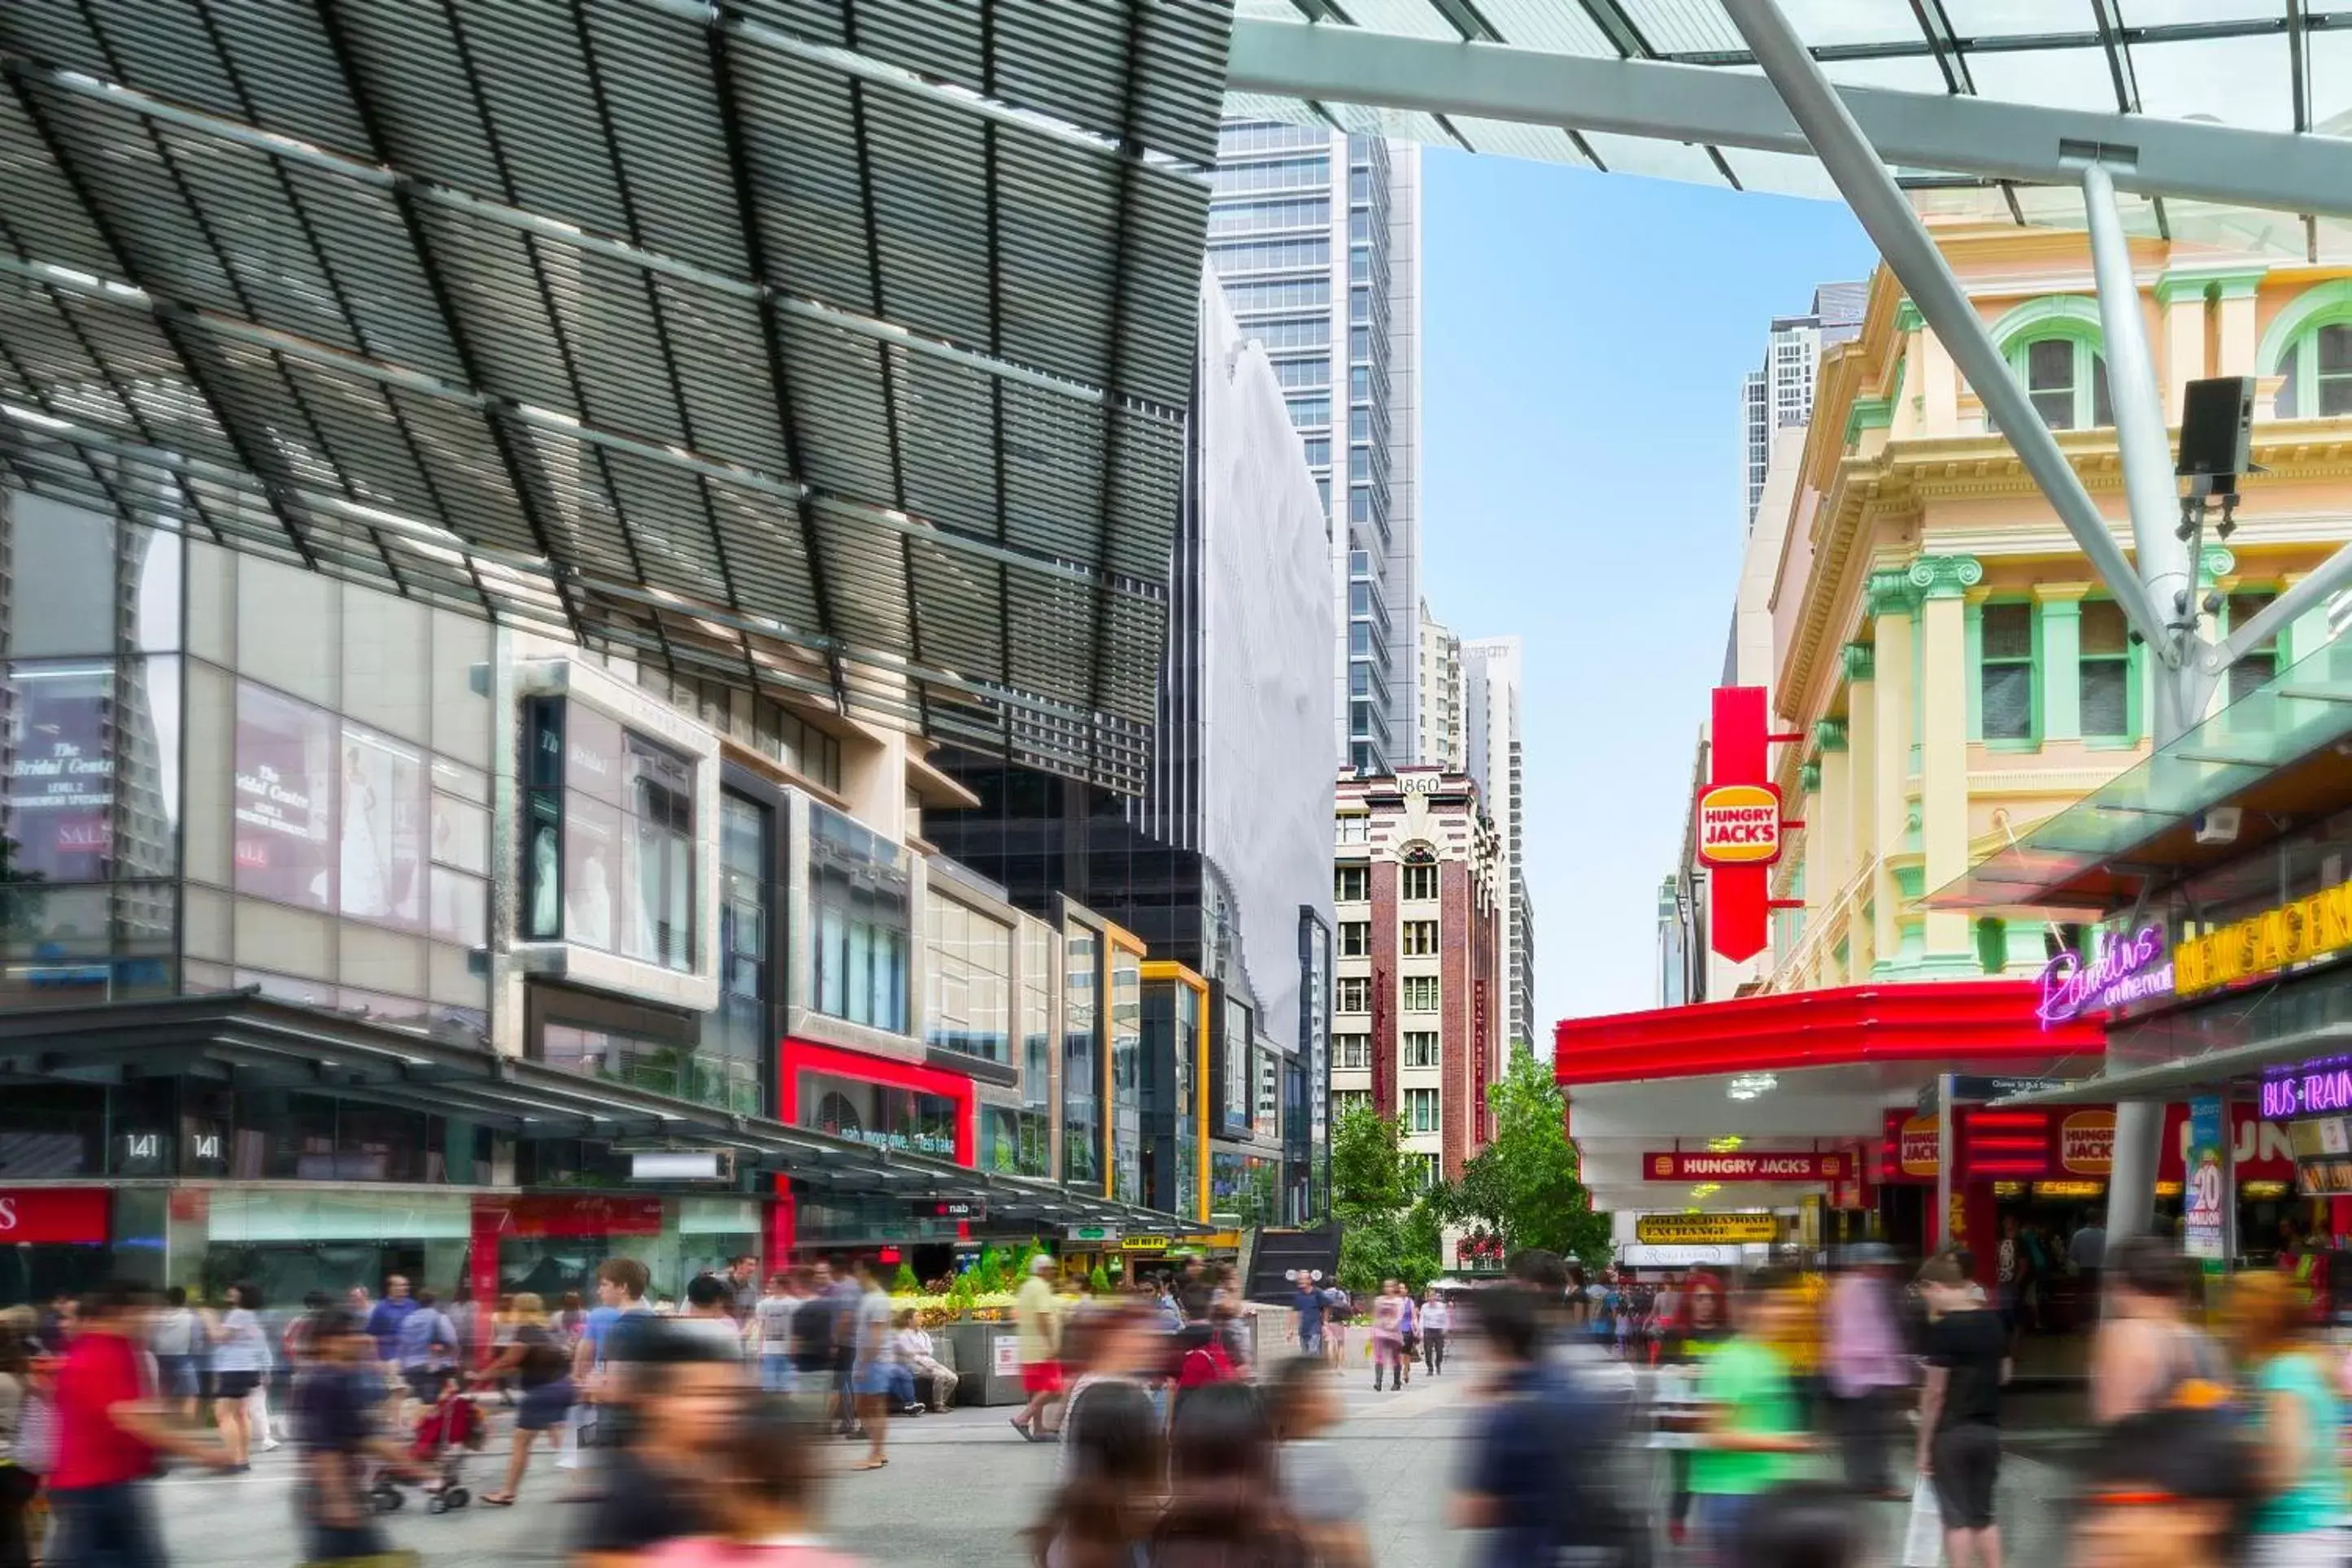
(839, 349)
(2091, 855)
(2260, 65)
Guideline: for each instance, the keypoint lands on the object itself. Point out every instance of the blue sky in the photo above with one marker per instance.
(1583, 337)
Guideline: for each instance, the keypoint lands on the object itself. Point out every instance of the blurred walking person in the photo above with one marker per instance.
(1320, 1486)
(240, 1361)
(772, 1327)
(762, 1503)
(1867, 1365)
(1754, 1432)
(109, 1429)
(1225, 1507)
(1519, 1484)
(173, 1340)
(1112, 1481)
(2168, 1488)
(535, 1359)
(1388, 1335)
(1037, 1319)
(19, 1472)
(336, 1403)
(881, 1384)
(1960, 1413)
(2295, 1425)
(2147, 1356)
(1436, 1319)
(669, 1395)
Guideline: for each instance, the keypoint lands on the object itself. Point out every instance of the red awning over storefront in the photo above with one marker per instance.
(1961, 1025)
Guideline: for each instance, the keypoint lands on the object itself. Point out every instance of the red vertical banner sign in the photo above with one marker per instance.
(1739, 822)
(489, 1227)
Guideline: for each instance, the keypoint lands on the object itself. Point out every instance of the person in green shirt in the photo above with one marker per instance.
(1755, 1431)
(2295, 1421)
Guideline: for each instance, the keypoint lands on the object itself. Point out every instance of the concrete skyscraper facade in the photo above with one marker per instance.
(1781, 393)
(1491, 670)
(1444, 743)
(1315, 237)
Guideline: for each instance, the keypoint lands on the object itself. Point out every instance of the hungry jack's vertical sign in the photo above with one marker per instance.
(1740, 823)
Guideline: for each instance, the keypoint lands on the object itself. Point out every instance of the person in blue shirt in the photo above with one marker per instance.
(1524, 1445)
(384, 1320)
(1307, 1301)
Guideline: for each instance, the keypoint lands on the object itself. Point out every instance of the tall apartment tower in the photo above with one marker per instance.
(1442, 741)
(1315, 237)
(1781, 393)
(1491, 669)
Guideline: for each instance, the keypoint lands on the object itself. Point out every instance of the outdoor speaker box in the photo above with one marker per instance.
(2217, 427)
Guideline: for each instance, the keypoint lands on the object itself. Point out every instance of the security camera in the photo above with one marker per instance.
(2217, 825)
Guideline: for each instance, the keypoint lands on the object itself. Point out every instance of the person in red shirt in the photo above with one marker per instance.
(110, 1427)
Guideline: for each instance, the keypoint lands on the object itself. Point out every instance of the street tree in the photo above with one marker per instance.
(1524, 1185)
(1387, 1221)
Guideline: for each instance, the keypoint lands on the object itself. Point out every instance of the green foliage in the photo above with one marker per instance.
(989, 1273)
(1099, 1280)
(962, 1289)
(1016, 1269)
(1388, 1224)
(1523, 1185)
(904, 1282)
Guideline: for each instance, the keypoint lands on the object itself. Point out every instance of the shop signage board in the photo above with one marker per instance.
(2307, 1088)
(1099, 1235)
(1919, 1147)
(1145, 1243)
(2120, 969)
(51, 1216)
(1701, 1166)
(1705, 1229)
(2317, 927)
(950, 1208)
(1968, 1090)
(2205, 1202)
(1739, 825)
(548, 1214)
(2086, 1142)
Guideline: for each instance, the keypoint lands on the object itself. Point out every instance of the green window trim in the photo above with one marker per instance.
(2033, 661)
(2289, 347)
(2069, 318)
(2135, 719)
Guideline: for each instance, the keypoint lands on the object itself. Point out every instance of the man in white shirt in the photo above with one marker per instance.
(1437, 1317)
(771, 1327)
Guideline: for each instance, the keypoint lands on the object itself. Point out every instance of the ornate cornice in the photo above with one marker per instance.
(1861, 660)
(1907, 318)
(1829, 734)
(2217, 561)
(1945, 576)
(1808, 778)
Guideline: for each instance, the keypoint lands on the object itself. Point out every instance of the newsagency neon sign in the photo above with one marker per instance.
(2121, 969)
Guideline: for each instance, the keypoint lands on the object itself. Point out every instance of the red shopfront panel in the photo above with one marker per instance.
(2071, 1142)
(55, 1215)
(795, 1057)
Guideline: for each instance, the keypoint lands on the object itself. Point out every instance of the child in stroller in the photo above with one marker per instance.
(450, 1429)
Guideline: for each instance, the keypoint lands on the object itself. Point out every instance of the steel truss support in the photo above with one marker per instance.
(1885, 212)
(1719, 107)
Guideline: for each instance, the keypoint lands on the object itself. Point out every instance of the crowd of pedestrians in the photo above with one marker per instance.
(699, 1436)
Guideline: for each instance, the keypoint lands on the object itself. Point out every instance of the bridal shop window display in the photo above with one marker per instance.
(861, 888)
(609, 849)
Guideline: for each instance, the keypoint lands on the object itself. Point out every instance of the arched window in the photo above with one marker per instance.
(2309, 346)
(2052, 346)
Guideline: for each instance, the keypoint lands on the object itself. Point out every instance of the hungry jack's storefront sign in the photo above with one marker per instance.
(1701, 1166)
(1739, 825)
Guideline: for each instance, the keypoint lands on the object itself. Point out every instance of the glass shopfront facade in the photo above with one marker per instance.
(861, 901)
(1125, 1074)
(1082, 1060)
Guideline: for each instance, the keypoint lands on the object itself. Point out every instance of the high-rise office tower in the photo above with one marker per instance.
(1490, 685)
(1315, 237)
(1781, 393)
(1442, 744)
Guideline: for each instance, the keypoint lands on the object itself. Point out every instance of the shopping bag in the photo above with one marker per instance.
(1923, 1540)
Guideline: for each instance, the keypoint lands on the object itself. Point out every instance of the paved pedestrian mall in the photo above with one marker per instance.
(960, 1487)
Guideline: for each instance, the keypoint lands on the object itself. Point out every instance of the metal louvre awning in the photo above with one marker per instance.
(839, 348)
(250, 1040)
(2214, 109)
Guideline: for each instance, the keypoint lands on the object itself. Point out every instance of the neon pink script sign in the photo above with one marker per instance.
(2123, 969)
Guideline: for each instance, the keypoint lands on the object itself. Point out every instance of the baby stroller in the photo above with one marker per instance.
(450, 1429)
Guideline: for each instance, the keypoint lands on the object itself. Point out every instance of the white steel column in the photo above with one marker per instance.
(2171, 577)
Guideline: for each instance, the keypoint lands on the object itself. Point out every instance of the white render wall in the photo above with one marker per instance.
(1267, 635)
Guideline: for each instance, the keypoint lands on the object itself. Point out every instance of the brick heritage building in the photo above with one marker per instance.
(1418, 1017)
